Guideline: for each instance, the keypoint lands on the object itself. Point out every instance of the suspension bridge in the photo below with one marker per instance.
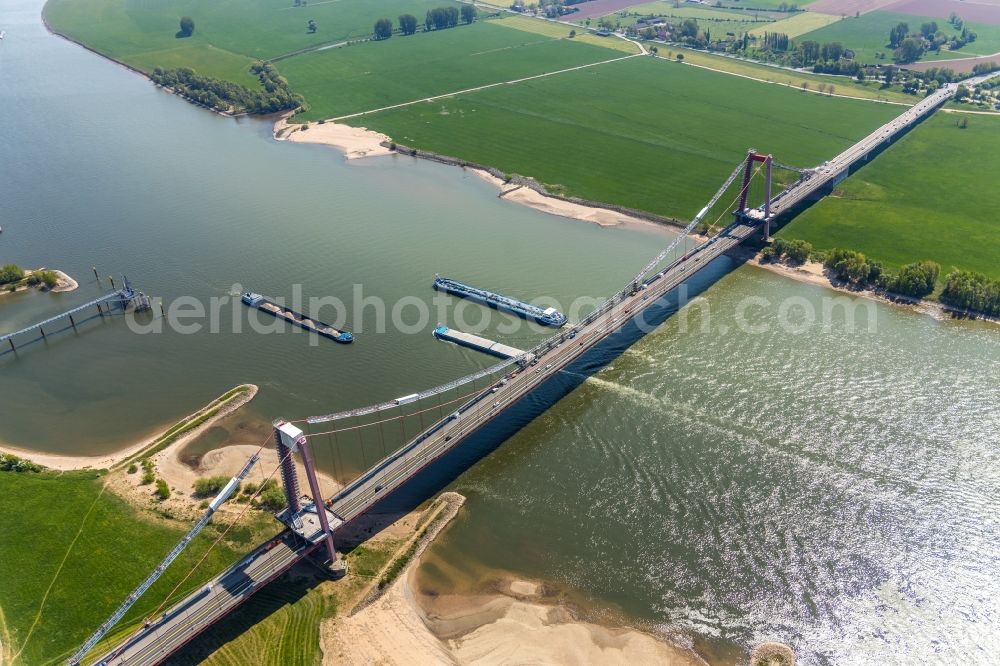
(313, 521)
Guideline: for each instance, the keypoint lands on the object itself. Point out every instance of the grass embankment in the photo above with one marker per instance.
(644, 133)
(933, 195)
(229, 34)
(368, 76)
(82, 550)
(868, 34)
(185, 425)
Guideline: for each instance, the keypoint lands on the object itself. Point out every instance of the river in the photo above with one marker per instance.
(831, 486)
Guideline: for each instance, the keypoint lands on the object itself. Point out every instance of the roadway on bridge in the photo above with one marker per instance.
(203, 607)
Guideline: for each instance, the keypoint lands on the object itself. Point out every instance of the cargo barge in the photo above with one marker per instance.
(547, 316)
(289, 315)
(476, 342)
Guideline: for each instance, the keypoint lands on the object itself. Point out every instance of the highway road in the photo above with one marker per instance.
(833, 168)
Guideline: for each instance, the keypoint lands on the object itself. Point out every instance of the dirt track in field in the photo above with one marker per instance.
(961, 65)
(981, 11)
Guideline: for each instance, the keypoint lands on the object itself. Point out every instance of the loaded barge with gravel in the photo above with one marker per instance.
(312, 325)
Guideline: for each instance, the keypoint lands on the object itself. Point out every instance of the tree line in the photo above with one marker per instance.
(968, 290)
(436, 19)
(228, 96)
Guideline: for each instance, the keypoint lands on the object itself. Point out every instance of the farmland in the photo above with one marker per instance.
(931, 196)
(798, 24)
(868, 35)
(665, 151)
(560, 30)
(115, 547)
(372, 75)
(249, 29)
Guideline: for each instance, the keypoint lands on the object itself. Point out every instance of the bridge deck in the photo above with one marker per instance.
(205, 606)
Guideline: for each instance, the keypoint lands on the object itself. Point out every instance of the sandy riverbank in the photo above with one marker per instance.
(65, 462)
(813, 272)
(65, 283)
(358, 142)
(353, 142)
(169, 464)
(554, 206)
(518, 626)
(404, 628)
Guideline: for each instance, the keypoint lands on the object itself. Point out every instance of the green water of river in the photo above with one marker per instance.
(833, 487)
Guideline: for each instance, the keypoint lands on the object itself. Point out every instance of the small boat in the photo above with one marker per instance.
(3, 33)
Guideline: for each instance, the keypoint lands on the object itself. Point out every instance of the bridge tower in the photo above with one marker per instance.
(288, 440)
(754, 156)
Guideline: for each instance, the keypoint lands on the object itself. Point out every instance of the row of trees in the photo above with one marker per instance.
(447, 17)
(776, 41)
(228, 96)
(436, 19)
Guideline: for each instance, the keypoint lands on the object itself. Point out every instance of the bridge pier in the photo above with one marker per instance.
(288, 439)
(289, 480)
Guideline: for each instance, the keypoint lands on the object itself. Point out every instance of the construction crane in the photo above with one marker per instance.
(223, 495)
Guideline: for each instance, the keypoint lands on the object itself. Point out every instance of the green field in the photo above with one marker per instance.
(717, 21)
(644, 133)
(229, 34)
(372, 75)
(931, 196)
(557, 30)
(869, 34)
(798, 24)
(667, 9)
(116, 548)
